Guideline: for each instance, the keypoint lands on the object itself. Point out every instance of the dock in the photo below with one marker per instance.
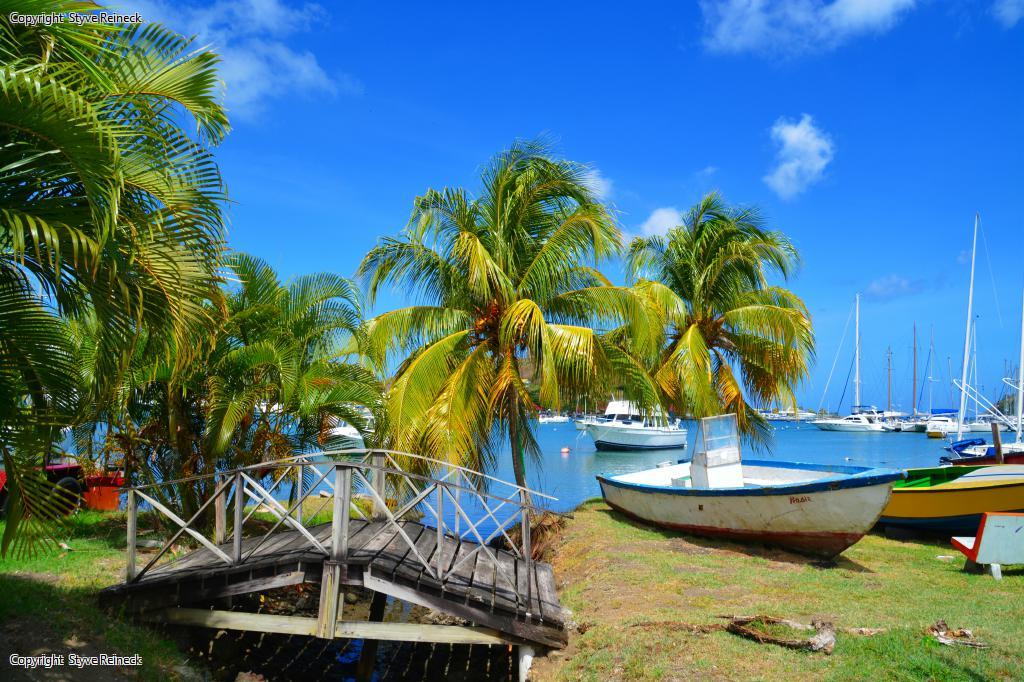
(387, 533)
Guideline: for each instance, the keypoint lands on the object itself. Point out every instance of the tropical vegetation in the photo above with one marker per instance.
(276, 379)
(108, 207)
(508, 295)
(733, 341)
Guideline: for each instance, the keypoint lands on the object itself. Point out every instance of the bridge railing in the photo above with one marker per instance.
(372, 485)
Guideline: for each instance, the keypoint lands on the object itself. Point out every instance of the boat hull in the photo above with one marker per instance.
(955, 507)
(820, 518)
(850, 427)
(611, 437)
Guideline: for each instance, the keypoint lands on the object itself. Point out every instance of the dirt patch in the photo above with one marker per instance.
(29, 637)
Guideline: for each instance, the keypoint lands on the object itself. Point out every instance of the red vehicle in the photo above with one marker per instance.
(96, 491)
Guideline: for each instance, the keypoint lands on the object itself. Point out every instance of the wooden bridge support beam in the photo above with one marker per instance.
(368, 655)
(335, 568)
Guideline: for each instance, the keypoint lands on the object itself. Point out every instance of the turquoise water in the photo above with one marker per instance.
(571, 477)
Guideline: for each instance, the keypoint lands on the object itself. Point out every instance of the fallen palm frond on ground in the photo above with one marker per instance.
(757, 628)
(961, 636)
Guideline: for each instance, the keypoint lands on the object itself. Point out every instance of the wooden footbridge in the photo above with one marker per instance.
(400, 525)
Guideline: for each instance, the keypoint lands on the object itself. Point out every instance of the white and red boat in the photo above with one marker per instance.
(818, 509)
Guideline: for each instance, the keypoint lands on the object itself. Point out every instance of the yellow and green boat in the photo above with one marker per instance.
(952, 499)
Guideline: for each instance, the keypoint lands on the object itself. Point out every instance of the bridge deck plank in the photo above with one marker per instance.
(377, 546)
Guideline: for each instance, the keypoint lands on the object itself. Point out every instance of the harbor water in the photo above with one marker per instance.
(570, 476)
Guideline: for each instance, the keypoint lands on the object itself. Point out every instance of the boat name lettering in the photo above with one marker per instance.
(800, 499)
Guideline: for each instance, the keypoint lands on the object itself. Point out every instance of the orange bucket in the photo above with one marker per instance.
(103, 492)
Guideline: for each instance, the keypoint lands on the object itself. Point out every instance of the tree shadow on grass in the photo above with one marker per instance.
(757, 550)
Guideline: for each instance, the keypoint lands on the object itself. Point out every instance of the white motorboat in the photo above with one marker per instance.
(941, 426)
(853, 423)
(814, 508)
(625, 428)
(982, 426)
(549, 418)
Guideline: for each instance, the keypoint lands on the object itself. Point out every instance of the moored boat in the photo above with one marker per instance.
(940, 426)
(952, 499)
(625, 428)
(858, 423)
(812, 508)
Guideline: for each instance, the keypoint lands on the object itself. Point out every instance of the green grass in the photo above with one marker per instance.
(54, 593)
(635, 588)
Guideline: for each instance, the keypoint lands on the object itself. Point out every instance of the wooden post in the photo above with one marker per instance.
(133, 513)
(527, 551)
(526, 654)
(220, 512)
(239, 515)
(378, 482)
(298, 494)
(440, 533)
(334, 567)
(368, 654)
(459, 482)
(997, 441)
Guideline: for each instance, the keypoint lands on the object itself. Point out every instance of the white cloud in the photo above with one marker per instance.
(804, 152)
(257, 63)
(660, 221)
(793, 26)
(599, 184)
(707, 171)
(1008, 12)
(891, 286)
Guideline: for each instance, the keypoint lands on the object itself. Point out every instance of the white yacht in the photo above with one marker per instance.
(940, 426)
(853, 422)
(625, 428)
(552, 418)
(985, 426)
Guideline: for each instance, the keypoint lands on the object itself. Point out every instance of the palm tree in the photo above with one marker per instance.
(507, 293)
(108, 207)
(279, 373)
(732, 340)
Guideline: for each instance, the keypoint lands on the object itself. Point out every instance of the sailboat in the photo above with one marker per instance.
(975, 450)
(862, 420)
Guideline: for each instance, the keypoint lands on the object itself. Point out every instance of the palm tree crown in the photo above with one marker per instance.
(508, 291)
(732, 340)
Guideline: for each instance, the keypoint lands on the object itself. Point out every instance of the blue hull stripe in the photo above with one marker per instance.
(847, 477)
(605, 445)
(967, 524)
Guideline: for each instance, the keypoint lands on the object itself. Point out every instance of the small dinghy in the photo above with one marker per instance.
(817, 509)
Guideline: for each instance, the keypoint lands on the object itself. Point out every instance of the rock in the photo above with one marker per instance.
(187, 673)
(250, 677)
(444, 619)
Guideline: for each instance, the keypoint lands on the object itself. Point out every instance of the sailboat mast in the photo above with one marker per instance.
(913, 392)
(856, 357)
(967, 335)
(1020, 374)
(888, 391)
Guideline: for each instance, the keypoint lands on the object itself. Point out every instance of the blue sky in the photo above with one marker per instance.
(870, 131)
